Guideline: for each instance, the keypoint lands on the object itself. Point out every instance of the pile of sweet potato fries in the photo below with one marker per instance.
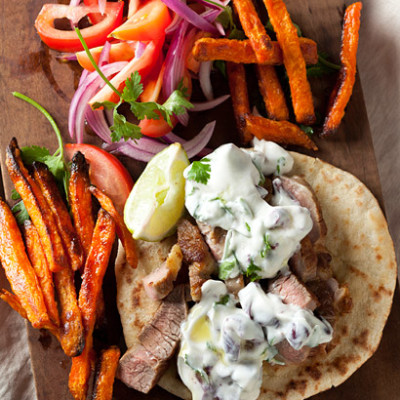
(294, 53)
(41, 262)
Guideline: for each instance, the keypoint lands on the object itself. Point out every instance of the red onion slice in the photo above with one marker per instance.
(173, 26)
(190, 16)
(97, 121)
(66, 57)
(205, 80)
(79, 103)
(208, 105)
(102, 6)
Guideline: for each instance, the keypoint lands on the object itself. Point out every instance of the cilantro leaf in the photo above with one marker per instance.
(20, 212)
(267, 246)
(177, 103)
(34, 153)
(322, 67)
(200, 171)
(109, 105)
(122, 129)
(307, 129)
(133, 88)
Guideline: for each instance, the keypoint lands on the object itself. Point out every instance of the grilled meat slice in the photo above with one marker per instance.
(214, 237)
(341, 296)
(293, 291)
(142, 365)
(290, 355)
(304, 262)
(234, 285)
(197, 255)
(302, 192)
(159, 283)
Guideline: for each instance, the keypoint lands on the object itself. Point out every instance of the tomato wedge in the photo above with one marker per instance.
(143, 65)
(148, 23)
(123, 51)
(68, 41)
(106, 172)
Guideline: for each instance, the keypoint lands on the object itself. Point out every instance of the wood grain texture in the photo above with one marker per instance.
(29, 67)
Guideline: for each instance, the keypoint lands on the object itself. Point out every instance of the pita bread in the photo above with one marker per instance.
(362, 256)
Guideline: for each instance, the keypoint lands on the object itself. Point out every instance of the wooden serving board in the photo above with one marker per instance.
(29, 67)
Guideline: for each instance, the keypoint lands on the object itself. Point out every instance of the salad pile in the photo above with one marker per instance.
(143, 61)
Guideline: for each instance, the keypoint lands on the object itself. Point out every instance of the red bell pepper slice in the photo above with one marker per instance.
(68, 41)
(143, 65)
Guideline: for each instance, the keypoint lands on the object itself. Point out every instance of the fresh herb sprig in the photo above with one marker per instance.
(176, 104)
(55, 162)
(200, 171)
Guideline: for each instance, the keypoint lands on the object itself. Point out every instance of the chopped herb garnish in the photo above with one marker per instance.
(176, 104)
(199, 371)
(211, 347)
(251, 271)
(200, 171)
(248, 227)
(225, 269)
(280, 162)
(267, 246)
(223, 300)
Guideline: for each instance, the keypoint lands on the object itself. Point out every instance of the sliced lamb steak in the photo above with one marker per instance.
(293, 291)
(304, 262)
(215, 238)
(197, 255)
(302, 192)
(142, 365)
(160, 282)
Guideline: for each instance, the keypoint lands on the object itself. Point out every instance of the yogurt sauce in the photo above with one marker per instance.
(223, 346)
(261, 237)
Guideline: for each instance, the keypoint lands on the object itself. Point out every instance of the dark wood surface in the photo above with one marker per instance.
(29, 67)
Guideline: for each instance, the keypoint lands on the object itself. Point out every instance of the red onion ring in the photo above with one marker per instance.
(190, 16)
(205, 80)
(208, 105)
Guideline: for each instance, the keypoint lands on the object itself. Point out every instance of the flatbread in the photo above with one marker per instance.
(362, 257)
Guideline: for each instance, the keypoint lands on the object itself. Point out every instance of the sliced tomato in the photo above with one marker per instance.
(153, 82)
(148, 23)
(123, 51)
(142, 64)
(68, 41)
(160, 127)
(106, 172)
(96, 17)
(134, 5)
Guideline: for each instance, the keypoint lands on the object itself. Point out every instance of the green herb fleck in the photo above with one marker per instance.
(322, 67)
(267, 246)
(251, 271)
(280, 162)
(223, 300)
(199, 371)
(210, 346)
(200, 171)
(248, 227)
(226, 268)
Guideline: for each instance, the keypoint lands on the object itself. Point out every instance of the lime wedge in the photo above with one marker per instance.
(157, 200)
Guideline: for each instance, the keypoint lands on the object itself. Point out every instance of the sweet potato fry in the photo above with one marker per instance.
(41, 268)
(81, 201)
(37, 208)
(13, 301)
(254, 29)
(293, 60)
(122, 231)
(72, 336)
(19, 271)
(282, 132)
(241, 52)
(69, 237)
(240, 97)
(347, 75)
(272, 93)
(105, 379)
(95, 268)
